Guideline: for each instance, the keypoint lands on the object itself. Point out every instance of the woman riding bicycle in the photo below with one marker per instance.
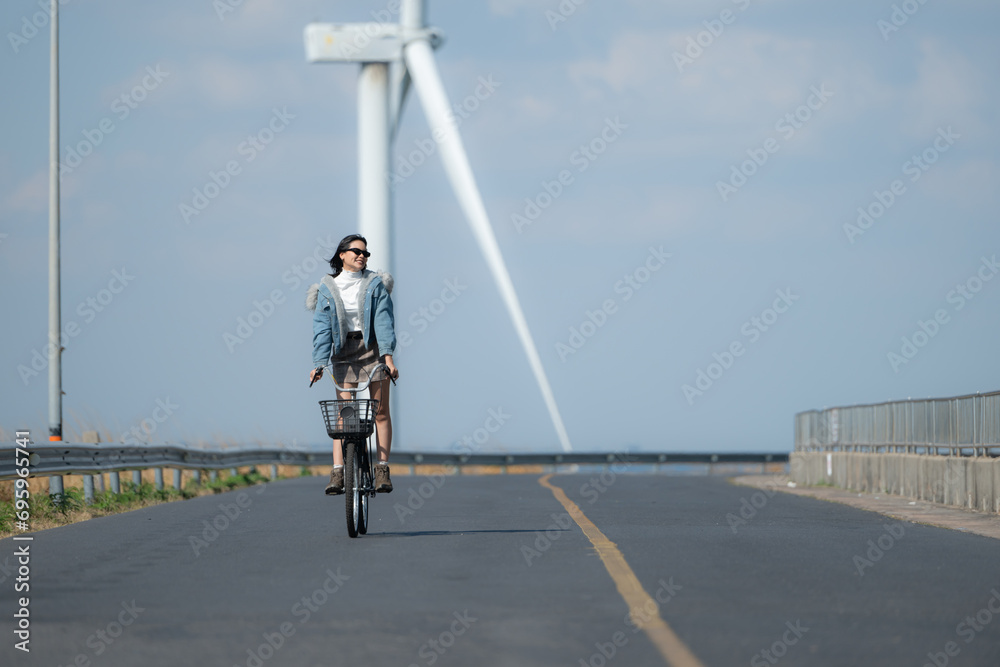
(353, 329)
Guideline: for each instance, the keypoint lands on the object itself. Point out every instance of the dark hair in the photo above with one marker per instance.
(336, 263)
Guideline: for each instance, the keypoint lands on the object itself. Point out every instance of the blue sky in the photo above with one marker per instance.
(746, 161)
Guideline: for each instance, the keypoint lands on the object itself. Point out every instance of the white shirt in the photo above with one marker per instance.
(349, 283)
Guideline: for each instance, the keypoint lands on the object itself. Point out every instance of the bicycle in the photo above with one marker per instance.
(352, 421)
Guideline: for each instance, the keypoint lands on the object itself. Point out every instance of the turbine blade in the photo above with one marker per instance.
(399, 86)
(420, 62)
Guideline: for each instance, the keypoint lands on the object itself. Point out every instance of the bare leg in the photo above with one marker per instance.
(338, 449)
(383, 421)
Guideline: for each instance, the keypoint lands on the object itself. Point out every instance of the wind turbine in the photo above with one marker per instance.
(391, 56)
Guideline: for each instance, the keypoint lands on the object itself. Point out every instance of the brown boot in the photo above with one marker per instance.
(382, 482)
(336, 485)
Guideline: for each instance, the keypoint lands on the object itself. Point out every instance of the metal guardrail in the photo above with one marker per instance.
(958, 426)
(67, 458)
(584, 458)
(70, 458)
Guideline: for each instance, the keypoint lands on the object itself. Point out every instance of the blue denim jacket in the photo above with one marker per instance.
(329, 316)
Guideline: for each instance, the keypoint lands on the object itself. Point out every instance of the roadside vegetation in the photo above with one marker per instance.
(52, 511)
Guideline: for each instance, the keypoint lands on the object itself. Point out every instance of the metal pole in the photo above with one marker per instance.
(55, 323)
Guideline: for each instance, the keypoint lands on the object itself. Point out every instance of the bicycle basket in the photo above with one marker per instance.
(354, 417)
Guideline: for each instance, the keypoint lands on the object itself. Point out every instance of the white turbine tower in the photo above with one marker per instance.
(390, 56)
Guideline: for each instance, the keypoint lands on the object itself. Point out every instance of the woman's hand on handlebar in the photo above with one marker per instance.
(393, 371)
(315, 374)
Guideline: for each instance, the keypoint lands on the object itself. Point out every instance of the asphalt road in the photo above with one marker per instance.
(492, 571)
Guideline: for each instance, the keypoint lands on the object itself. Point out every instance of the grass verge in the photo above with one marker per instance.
(52, 511)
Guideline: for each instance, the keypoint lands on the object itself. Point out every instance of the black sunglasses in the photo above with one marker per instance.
(359, 251)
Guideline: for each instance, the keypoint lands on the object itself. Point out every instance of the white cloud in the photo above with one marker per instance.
(31, 194)
(133, 160)
(968, 185)
(730, 98)
(152, 91)
(948, 91)
(670, 212)
(229, 83)
(249, 25)
(748, 79)
(742, 73)
(511, 7)
(635, 59)
(534, 108)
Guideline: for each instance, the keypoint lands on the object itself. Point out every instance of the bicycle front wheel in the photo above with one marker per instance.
(352, 483)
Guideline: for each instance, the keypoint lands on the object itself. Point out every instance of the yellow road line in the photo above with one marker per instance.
(638, 600)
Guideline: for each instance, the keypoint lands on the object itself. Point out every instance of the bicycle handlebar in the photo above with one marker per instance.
(360, 387)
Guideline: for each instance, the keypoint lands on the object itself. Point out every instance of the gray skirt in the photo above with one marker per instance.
(356, 363)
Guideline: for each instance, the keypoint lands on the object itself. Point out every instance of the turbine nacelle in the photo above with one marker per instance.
(372, 42)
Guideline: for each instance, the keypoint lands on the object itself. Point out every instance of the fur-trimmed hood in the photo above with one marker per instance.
(312, 295)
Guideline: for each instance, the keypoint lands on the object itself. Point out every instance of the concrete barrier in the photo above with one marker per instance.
(996, 487)
(962, 481)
